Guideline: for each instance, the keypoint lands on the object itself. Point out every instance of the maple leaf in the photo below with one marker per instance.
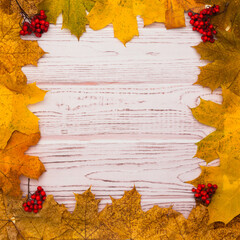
(46, 225)
(14, 163)
(225, 203)
(198, 226)
(225, 67)
(125, 23)
(123, 214)
(83, 223)
(15, 115)
(225, 144)
(11, 6)
(225, 118)
(160, 223)
(55, 222)
(74, 13)
(15, 53)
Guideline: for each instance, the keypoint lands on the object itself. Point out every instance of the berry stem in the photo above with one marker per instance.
(29, 194)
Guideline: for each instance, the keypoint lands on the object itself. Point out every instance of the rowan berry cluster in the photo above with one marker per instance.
(204, 193)
(201, 23)
(37, 25)
(34, 204)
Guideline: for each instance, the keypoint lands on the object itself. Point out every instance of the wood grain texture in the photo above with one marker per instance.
(117, 116)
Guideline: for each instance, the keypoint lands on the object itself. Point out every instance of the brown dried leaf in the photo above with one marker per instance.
(29, 6)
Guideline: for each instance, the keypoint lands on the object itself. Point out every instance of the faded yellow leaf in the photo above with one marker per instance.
(171, 12)
(15, 163)
(224, 68)
(15, 52)
(74, 13)
(15, 115)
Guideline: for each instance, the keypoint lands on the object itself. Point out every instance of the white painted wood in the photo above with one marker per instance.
(117, 116)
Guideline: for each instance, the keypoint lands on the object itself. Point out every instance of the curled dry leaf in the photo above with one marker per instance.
(225, 144)
(74, 13)
(224, 69)
(171, 12)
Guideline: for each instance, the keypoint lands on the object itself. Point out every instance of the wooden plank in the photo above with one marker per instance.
(135, 112)
(157, 168)
(156, 56)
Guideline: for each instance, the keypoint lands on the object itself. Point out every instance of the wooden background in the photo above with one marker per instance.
(117, 116)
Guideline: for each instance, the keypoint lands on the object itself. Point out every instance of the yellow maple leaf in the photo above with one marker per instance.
(15, 115)
(122, 14)
(225, 203)
(225, 144)
(15, 163)
(15, 52)
(84, 222)
(160, 223)
(225, 118)
(74, 13)
(46, 225)
(224, 68)
(123, 214)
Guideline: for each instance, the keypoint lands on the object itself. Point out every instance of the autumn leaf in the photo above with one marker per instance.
(7, 229)
(74, 13)
(198, 226)
(225, 203)
(123, 214)
(15, 163)
(225, 118)
(15, 53)
(14, 113)
(86, 222)
(47, 224)
(160, 223)
(224, 69)
(11, 6)
(125, 23)
(224, 143)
